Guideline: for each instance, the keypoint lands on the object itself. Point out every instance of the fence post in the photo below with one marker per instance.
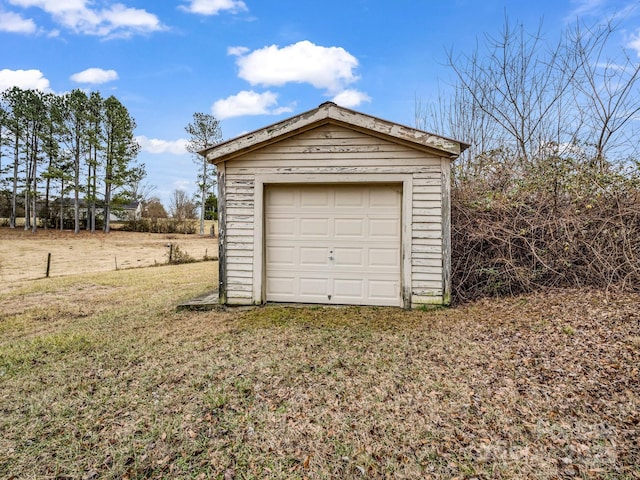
(48, 264)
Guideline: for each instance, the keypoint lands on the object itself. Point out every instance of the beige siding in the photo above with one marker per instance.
(332, 149)
(426, 259)
(239, 230)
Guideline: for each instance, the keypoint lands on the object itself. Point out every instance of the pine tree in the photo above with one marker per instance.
(204, 132)
(120, 150)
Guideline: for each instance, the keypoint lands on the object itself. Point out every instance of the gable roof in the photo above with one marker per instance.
(326, 113)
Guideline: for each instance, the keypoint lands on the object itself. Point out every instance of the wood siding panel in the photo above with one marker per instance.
(261, 169)
(332, 142)
(234, 252)
(426, 242)
(427, 267)
(436, 252)
(241, 274)
(233, 258)
(240, 267)
(239, 235)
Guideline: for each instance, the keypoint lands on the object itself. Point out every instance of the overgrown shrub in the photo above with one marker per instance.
(161, 225)
(545, 195)
(177, 256)
(552, 227)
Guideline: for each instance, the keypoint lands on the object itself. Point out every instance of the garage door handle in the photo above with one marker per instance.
(330, 257)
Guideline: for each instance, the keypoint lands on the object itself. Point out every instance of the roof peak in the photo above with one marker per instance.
(330, 112)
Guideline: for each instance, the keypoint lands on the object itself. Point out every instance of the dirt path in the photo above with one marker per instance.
(23, 255)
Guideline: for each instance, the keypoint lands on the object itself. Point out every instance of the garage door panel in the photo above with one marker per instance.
(283, 255)
(282, 286)
(335, 244)
(314, 198)
(383, 289)
(314, 256)
(385, 197)
(348, 288)
(314, 286)
(349, 198)
(383, 257)
(353, 228)
(349, 257)
(280, 227)
(384, 228)
(281, 198)
(314, 227)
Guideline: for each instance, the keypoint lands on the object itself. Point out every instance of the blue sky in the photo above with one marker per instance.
(255, 62)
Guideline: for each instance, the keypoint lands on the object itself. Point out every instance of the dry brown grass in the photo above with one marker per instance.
(23, 255)
(100, 377)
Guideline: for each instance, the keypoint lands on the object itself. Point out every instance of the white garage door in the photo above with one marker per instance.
(333, 244)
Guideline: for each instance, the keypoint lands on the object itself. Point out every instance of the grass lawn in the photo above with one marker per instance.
(100, 377)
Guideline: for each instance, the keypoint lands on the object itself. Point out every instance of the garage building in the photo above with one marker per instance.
(333, 206)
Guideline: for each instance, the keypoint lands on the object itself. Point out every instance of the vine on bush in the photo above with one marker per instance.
(575, 229)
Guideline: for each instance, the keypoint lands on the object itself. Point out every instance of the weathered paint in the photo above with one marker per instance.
(222, 235)
(327, 113)
(446, 230)
(333, 145)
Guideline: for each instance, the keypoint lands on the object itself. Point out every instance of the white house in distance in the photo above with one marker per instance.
(333, 206)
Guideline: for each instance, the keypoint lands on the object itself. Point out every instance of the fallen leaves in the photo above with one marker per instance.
(493, 389)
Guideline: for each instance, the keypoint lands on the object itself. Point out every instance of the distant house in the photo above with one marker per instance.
(333, 206)
(127, 212)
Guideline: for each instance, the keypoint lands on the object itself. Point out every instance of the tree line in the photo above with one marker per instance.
(204, 132)
(180, 216)
(52, 146)
(548, 193)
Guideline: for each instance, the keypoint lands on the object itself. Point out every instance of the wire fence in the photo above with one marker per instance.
(26, 258)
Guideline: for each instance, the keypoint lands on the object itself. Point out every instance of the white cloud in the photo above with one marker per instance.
(185, 185)
(607, 10)
(117, 20)
(248, 102)
(585, 7)
(14, 23)
(25, 79)
(351, 98)
(213, 7)
(634, 42)
(237, 51)
(330, 68)
(156, 146)
(94, 76)
(54, 6)
(133, 18)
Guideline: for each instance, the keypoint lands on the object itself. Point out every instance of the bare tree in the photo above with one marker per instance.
(459, 116)
(524, 103)
(182, 207)
(518, 83)
(606, 89)
(530, 210)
